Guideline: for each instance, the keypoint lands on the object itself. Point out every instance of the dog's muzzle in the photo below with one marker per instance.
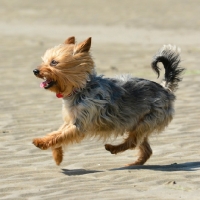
(47, 83)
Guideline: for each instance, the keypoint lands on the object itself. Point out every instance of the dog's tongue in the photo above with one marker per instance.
(59, 95)
(43, 84)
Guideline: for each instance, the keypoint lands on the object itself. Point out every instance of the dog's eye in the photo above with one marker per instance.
(53, 63)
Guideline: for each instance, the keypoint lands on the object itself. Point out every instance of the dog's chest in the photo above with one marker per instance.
(69, 112)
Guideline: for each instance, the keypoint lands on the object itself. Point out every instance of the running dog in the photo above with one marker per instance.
(97, 106)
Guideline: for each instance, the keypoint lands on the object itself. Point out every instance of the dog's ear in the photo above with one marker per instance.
(70, 40)
(83, 46)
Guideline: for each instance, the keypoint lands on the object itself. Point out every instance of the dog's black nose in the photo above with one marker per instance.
(36, 71)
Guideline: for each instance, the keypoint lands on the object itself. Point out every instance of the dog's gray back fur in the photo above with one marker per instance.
(124, 104)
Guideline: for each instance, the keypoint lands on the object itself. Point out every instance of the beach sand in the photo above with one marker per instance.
(125, 35)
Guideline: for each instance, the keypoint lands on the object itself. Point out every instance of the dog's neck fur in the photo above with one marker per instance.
(77, 88)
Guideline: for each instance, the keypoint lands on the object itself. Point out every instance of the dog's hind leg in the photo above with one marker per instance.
(129, 143)
(144, 153)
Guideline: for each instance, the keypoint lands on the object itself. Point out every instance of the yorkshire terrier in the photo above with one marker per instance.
(105, 107)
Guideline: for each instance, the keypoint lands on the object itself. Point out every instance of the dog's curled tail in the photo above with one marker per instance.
(169, 56)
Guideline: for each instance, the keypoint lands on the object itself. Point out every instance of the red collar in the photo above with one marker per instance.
(59, 95)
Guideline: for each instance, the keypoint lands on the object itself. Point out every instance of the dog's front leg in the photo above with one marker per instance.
(65, 135)
(47, 141)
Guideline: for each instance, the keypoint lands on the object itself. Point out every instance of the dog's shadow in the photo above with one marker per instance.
(189, 166)
(78, 172)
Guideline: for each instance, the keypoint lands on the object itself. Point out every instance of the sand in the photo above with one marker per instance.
(126, 34)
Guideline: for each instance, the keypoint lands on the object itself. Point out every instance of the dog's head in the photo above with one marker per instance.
(66, 67)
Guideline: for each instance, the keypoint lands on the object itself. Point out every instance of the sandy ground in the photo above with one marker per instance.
(126, 34)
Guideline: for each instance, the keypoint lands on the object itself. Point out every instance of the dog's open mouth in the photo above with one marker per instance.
(47, 83)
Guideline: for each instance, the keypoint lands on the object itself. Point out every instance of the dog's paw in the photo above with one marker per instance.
(39, 142)
(136, 163)
(111, 148)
